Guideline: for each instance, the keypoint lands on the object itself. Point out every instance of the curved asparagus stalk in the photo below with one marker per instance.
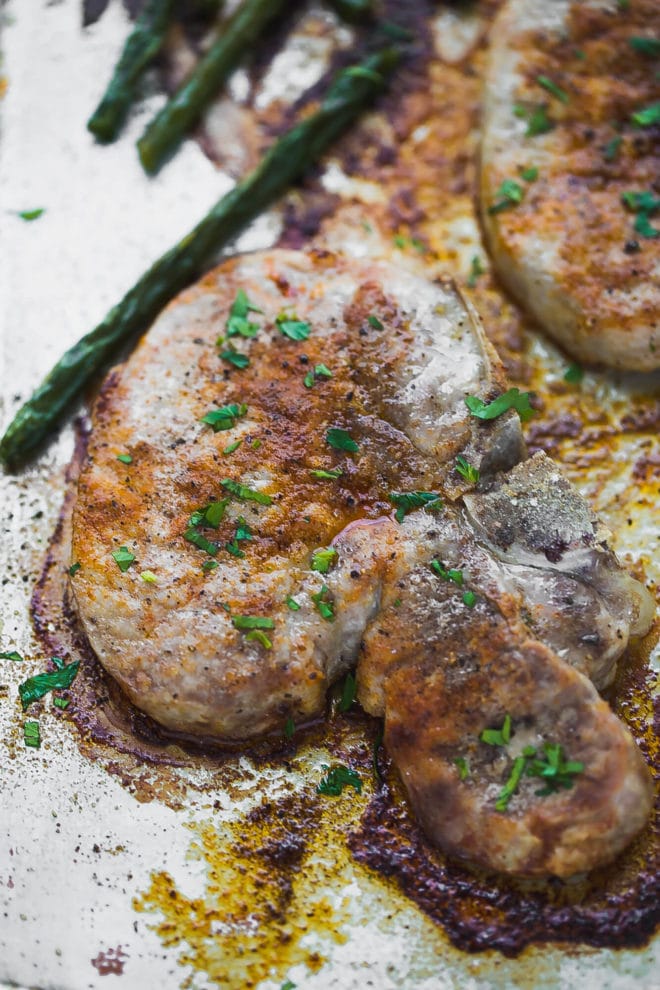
(142, 46)
(184, 109)
(286, 161)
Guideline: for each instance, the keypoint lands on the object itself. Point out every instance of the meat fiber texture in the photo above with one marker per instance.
(563, 90)
(533, 619)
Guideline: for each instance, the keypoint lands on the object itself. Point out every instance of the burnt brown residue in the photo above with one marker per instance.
(110, 962)
(614, 907)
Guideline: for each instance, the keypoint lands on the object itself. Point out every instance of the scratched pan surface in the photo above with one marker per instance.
(125, 859)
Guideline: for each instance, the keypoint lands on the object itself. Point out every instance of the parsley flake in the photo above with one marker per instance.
(125, 458)
(74, 569)
(647, 116)
(61, 703)
(235, 357)
(407, 501)
(336, 779)
(149, 577)
(511, 786)
(466, 470)
(238, 324)
(225, 417)
(292, 603)
(553, 769)
(32, 734)
(453, 574)
(325, 608)
(292, 327)
(611, 149)
(341, 440)
(252, 622)
(513, 399)
(230, 448)
(320, 371)
(123, 558)
(552, 88)
(530, 174)
(469, 599)
(644, 204)
(463, 767)
(12, 655)
(375, 322)
(321, 474)
(476, 269)
(348, 693)
(193, 535)
(289, 729)
(31, 214)
(36, 687)
(574, 374)
(244, 492)
(509, 194)
(210, 565)
(323, 559)
(646, 46)
(537, 119)
(498, 737)
(260, 637)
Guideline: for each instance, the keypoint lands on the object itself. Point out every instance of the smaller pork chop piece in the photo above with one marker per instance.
(564, 162)
(447, 656)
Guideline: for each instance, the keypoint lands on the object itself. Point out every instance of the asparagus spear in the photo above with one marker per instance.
(142, 46)
(286, 161)
(184, 109)
(353, 11)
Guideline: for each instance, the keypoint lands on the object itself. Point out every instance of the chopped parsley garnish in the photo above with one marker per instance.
(647, 116)
(323, 559)
(403, 242)
(348, 692)
(32, 214)
(256, 443)
(123, 558)
(225, 417)
(530, 174)
(469, 599)
(498, 737)
(289, 729)
(292, 603)
(476, 269)
(320, 371)
(36, 687)
(246, 493)
(321, 474)
(611, 149)
(193, 535)
(513, 399)
(453, 574)
(646, 46)
(325, 608)
(511, 786)
(231, 447)
(644, 205)
(12, 655)
(211, 515)
(341, 440)
(238, 324)
(552, 88)
(553, 769)
(537, 119)
(61, 703)
(243, 532)
(209, 565)
(260, 637)
(574, 374)
(374, 322)
(463, 767)
(407, 501)
(74, 569)
(32, 735)
(466, 470)
(125, 458)
(336, 779)
(292, 327)
(509, 194)
(252, 622)
(149, 577)
(235, 357)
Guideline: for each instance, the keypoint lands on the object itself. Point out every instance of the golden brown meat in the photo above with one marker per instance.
(569, 145)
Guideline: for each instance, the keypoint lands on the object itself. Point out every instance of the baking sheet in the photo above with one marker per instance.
(85, 859)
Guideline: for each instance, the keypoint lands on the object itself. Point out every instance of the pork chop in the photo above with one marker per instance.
(569, 172)
(247, 554)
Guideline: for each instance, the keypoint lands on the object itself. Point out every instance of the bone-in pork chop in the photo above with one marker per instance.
(248, 553)
(569, 172)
